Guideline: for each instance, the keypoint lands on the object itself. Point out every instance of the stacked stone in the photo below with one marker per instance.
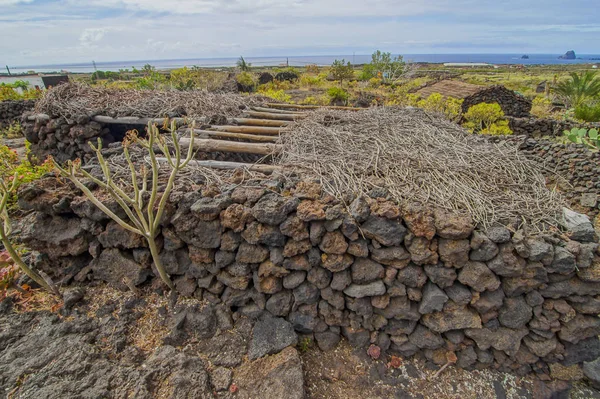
(572, 167)
(11, 111)
(512, 103)
(534, 127)
(64, 140)
(406, 279)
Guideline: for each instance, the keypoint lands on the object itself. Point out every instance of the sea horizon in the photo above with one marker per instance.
(303, 60)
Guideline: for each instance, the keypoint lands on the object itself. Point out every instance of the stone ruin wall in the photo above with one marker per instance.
(11, 111)
(512, 103)
(410, 280)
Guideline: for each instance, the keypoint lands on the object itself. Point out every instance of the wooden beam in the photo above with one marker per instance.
(209, 145)
(39, 118)
(132, 120)
(205, 134)
(260, 122)
(277, 111)
(274, 116)
(291, 106)
(297, 106)
(224, 165)
(271, 131)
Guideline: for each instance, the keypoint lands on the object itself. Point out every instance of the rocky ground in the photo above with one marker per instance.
(105, 343)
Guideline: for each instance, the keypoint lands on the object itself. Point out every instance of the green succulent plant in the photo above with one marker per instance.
(584, 136)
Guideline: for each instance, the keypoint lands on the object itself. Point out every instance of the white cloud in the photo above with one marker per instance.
(13, 2)
(91, 36)
(108, 30)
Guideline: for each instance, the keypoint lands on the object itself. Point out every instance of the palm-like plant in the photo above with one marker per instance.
(243, 65)
(579, 89)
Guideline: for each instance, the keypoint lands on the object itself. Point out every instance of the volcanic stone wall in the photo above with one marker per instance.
(572, 168)
(64, 140)
(68, 140)
(512, 103)
(11, 111)
(406, 279)
(534, 127)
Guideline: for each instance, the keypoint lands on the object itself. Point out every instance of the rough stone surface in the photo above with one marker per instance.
(270, 336)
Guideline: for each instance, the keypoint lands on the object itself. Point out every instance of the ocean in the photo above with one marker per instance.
(321, 60)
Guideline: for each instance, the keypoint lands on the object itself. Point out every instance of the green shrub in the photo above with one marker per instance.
(26, 171)
(246, 80)
(486, 118)
(453, 108)
(541, 107)
(588, 113)
(12, 130)
(340, 70)
(278, 95)
(375, 83)
(435, 102)
(312, 100)
(584, 136)
(311, 81)
(337, 94)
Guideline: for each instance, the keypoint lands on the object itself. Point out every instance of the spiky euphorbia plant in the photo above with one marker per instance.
(144, 216)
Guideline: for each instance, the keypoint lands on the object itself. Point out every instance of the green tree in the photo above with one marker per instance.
(579, 89)
(340, 70)
(243, 65)
(384, 66)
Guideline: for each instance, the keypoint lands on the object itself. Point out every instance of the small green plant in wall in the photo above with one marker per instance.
(583, 136)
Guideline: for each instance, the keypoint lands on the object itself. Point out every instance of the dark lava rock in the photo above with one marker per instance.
(273, 209)
(327, 340)
(270, 336)
(387, 232)
(72, 296)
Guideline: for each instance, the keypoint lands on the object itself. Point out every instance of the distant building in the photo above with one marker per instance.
(469, 65)
(35, 81)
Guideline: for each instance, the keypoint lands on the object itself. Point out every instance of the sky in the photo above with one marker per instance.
(35, 32)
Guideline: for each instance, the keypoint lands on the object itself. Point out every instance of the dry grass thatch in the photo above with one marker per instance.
(421, 158)
(74, 99)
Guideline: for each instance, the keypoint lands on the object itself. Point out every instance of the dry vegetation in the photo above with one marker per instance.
(75, 99)
(422, 158)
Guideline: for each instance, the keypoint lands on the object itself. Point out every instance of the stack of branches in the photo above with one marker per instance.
(191, 177)
(419, 157)
(71, 100)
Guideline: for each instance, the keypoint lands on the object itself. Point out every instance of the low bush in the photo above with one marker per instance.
(312, 100)
(450, 107)
(486, 118)
(246, 81)
(375, 82)
(588, 113)
(311, 81)
(338, 95)
(541, 107)
(13, 130)
(26, 172)
(278, 95)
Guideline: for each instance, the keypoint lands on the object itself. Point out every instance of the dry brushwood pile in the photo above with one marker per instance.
(75, 99)
(417, 157)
